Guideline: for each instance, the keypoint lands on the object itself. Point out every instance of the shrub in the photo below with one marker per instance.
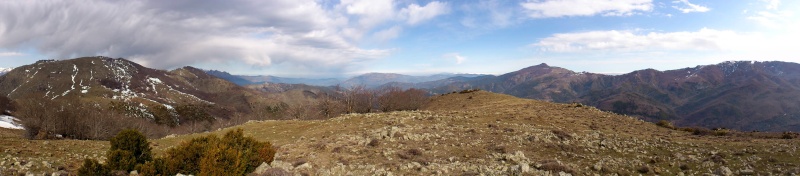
(128, 148)
(665, 124)
(233, 154)
(93, 168)
(788, 135)
(184, 158)
(469, 91)
(121, 160)
(155, 168)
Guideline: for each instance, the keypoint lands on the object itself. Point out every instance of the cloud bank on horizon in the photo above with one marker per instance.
(319, 38)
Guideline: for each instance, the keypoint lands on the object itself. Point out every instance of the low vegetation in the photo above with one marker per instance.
(71, 118)
(233, 154)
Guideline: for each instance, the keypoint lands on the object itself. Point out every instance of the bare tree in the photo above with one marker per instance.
(329, 106)
(194, 116)
(358, 99)
(397, 99)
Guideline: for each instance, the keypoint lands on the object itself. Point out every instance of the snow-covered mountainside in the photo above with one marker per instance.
(9, 122)
(104, 80)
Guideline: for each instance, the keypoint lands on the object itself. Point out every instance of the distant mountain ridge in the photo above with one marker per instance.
(244, 80)
(371, 80)
(742, 95)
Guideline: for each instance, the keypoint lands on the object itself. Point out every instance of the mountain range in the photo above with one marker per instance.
(743, 95)
(243, 80)
(371, 80)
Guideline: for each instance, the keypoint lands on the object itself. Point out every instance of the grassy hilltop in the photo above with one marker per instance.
(467, 134)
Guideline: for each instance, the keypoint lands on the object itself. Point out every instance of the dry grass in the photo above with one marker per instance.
(490, 133)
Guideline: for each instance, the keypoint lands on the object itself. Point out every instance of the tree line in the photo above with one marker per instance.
(76, 119)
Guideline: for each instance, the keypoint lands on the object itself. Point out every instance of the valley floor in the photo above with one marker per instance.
(466, 134)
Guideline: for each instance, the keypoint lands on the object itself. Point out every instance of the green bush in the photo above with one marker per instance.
(121, 160)
(185, 157)
(233, 154)
(128, 148)
(157, 167)
(93, 168)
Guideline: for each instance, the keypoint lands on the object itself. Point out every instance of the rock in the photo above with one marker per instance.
(747, 172)
(597, 167)
(276, 172)
(304, 166)
(281, 164)
(262, 168)
(60, 173)
(525, 168)
(724, 171)
(134, 173)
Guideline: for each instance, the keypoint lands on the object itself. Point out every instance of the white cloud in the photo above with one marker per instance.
(563, 8)
(417, 14)
(772, 4)
(774, 18)
(702, 40)
(8, 54)
(169, 34)
(490, 14)
(456, 57)
(388, 34)
(689, 7)
(371, 12)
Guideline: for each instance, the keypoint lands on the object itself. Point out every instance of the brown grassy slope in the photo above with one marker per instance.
(483, 132)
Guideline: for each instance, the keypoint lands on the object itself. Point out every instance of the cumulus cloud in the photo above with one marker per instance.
(372, 12)
(168, 34)
(416, 14)
(564, 8)
(689, 7)
(704, 39)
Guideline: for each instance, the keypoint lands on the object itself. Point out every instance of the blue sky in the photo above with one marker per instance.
(340, 38)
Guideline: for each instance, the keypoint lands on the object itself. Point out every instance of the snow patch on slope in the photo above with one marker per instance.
(9, 122)
(3, 71)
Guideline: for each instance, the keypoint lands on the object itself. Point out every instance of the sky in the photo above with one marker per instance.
(341, 38)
